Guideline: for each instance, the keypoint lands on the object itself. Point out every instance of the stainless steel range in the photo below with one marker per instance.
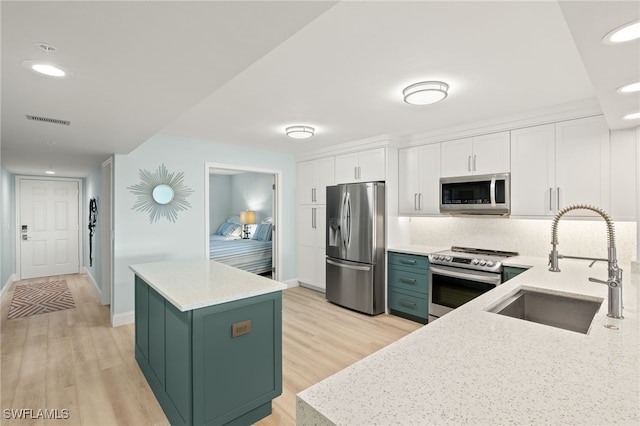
(461, 274)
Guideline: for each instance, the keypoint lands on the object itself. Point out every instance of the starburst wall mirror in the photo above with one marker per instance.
(161, 194)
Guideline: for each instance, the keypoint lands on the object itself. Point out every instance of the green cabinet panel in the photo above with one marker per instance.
(199, 372)
(142, 318)
(156, 334)
(402, 259)
(509, 272)
(410, 279)
(179, 360)
(409, 303)
(408, 286)
(248, 364)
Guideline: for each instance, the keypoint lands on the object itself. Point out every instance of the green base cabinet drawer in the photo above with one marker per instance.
(402, 259)
(409, 303)
(411, 279)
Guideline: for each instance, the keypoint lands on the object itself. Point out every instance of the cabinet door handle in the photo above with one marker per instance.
(558, 198)
(550, 199)
(408, 262)
(407, 304)
(407, 280)
(415, 201)
(469, 163)
(313, 217)
(355, 173)
(359, 172)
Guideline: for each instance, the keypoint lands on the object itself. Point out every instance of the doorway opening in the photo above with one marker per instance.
(241, 221)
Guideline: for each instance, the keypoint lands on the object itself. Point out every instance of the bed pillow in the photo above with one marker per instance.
(234, 219)
(262, 232)
(227, 229)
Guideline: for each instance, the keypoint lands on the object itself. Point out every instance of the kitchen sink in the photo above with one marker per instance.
(562, 310)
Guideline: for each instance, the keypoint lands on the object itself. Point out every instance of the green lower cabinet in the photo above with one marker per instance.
(408, 280)
(221, 364)
(509, 272)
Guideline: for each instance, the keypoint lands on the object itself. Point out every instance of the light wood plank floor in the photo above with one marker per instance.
(74, 359)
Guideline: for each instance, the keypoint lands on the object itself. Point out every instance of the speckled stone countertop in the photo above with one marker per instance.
(193, 284)
(476, 367)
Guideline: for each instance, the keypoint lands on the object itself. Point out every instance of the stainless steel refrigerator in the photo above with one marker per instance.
(355, 246)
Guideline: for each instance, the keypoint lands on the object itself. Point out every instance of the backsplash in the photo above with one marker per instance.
(529, 237)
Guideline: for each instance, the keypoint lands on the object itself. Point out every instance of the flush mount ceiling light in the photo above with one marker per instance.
(629, 88)
(627, 32)
(633, 116)
(425, 92)
(45, 68)
(300, 132)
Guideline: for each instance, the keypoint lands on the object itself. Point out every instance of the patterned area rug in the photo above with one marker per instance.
(40, 298)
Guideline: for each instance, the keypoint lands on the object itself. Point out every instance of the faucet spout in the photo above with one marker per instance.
(614, 279)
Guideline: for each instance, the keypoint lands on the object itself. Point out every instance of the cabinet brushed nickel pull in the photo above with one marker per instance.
(469, 163)
(407, 280)
(313, 217)
(550, 199)
(408, 262)
(407, 304)
(558, 200)
(415, 201)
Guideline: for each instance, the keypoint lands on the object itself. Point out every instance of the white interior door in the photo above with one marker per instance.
(48, 228)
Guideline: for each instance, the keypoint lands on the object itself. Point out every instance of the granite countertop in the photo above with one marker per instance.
(476, 367)
(193, 284)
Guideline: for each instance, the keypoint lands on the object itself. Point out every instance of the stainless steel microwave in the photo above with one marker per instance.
(479, 194)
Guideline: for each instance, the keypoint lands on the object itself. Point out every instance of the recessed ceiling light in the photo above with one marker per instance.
(626, 32)
(299, 132)
(633, 116)
(629, 88)
(425, 92)
(46, 68)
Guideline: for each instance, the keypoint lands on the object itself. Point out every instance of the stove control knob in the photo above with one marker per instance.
(483, 262)
(448, 258)
(475, 261)
(490, 263)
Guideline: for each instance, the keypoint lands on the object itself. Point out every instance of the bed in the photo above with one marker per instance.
(251, 255)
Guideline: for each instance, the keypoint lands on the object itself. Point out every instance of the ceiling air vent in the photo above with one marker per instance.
(48, 120)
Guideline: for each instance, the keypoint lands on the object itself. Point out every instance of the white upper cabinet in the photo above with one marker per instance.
(419, 180)
(476, 156)
(313, 178)
(582, 162)
(364, 166)
(533, 170)
(557, 165)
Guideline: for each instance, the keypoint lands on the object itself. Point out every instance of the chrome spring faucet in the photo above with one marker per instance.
(614, 280)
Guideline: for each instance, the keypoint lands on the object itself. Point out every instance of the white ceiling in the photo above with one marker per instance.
(240, 72)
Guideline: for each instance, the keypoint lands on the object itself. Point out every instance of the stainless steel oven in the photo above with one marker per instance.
(461, 274)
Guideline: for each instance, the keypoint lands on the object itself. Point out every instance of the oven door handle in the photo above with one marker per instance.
(493, 191)
(471, 277)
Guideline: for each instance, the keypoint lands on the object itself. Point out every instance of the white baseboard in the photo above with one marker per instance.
(6, 286)
(94, 283)
(313, 287)
(123, 319)
(290, 283)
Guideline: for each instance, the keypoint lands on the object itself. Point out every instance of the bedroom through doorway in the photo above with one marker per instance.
(241, 219)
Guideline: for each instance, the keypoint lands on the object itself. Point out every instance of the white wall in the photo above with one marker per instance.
(7, 225)
(219, 200)
(138, 241)
(252, 191)
(92, 189)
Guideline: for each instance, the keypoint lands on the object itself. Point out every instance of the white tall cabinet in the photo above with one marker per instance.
(557, 165)
(313, 178)
(418, 180)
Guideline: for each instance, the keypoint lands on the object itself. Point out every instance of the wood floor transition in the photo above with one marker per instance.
(74, 360)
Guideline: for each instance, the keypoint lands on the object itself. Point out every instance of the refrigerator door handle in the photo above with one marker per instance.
(344, 265)
(348, 220)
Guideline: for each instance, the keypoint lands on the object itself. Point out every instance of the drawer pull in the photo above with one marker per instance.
(407, 304)
(408, 262)
(407, 280)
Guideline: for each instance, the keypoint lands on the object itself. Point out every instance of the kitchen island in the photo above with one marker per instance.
(208, 338)
(473, 366)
